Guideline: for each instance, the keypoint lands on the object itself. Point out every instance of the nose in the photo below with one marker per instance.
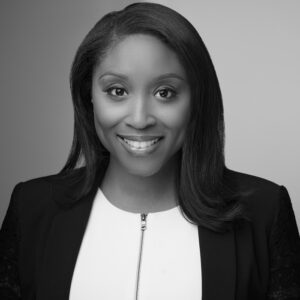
(141, 114)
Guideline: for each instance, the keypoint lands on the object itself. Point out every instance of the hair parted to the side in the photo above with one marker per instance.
(205, 197)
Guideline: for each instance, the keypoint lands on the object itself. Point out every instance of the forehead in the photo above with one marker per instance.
(141, 54)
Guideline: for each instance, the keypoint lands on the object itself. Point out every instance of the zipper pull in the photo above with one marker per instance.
(144, 222)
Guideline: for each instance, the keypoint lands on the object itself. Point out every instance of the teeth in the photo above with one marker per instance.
(140, 145)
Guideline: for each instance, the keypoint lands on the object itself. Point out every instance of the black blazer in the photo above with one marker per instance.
(43, 229)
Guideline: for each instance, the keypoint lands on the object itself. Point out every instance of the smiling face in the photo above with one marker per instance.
(141, 101)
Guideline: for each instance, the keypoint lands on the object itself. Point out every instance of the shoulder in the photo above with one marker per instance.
(261, 197)
(42, 190)
(44, 183)
(251, 184)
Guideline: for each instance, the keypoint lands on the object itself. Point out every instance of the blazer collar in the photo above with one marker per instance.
(218, 252)
(62, 248)
(67, 187)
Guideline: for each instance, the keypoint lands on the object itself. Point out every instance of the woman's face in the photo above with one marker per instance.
(141, 101)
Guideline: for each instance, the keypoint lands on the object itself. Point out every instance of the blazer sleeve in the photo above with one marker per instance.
(9, 244)
(284, 247)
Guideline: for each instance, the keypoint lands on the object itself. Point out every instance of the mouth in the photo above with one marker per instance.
(140, 145)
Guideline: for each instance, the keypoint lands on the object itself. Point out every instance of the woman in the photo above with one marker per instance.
(153, 213)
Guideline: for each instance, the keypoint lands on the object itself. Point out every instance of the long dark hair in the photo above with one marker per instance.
(205, 196)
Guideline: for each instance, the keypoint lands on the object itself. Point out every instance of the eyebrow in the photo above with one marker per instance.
(161, 77)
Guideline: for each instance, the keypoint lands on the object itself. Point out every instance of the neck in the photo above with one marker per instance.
(145, 194)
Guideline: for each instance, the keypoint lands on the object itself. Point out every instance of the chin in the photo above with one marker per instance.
(143, 169)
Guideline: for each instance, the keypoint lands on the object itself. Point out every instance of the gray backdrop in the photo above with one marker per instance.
(254, 45)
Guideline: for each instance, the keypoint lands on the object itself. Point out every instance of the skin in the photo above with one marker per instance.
(140, 88)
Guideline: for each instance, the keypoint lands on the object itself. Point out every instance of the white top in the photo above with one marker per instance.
(107, 263)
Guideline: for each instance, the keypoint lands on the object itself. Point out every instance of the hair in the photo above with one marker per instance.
(205, 197)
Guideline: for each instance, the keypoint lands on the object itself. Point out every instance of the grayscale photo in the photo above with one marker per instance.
(150, 150)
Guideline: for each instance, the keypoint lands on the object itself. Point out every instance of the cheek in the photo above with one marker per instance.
(100, 129)
(104, 119)
(104, 116)
(107, 115)
(178, 117)
(177, 122)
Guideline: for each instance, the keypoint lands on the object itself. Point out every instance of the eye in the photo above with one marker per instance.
(116, 91)
(165, 93)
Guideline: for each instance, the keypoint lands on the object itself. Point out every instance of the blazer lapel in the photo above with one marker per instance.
(62, 249)
(218, 261)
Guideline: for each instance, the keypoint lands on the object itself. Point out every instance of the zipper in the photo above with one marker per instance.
(143, 228)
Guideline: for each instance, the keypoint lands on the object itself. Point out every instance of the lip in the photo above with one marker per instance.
(140, 152)
(140, 138)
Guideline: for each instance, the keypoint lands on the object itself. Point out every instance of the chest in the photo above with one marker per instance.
(157, 257)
